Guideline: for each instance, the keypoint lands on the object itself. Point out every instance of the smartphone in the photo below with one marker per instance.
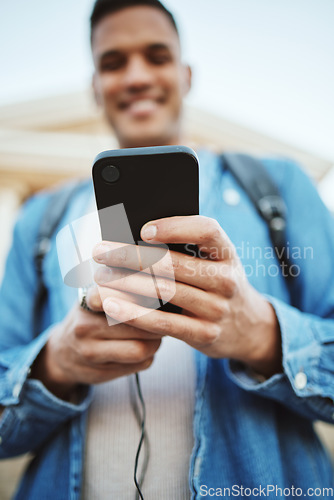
(151, 183)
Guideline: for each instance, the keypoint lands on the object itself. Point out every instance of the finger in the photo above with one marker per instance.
(117, 351)
(139, 258)
(201, 303)
(93, 326)
(201, 273)
(96, 295)
(93, 300)
(110, 371)
(139, 284)
(194, 331)
(202, 231)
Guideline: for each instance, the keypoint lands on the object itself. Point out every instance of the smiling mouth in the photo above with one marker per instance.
(139, 108)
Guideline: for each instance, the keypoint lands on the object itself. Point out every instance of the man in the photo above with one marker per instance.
(254, 371)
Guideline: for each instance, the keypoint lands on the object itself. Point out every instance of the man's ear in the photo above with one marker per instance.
(96, 91)
(187, 80)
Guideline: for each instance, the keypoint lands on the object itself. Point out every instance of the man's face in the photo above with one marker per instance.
(139, 78)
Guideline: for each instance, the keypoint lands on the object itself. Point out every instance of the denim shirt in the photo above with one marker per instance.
(248, 432)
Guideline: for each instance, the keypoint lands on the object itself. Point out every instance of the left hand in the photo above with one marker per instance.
(223, 315)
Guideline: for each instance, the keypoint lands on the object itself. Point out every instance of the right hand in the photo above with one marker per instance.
(84, 349)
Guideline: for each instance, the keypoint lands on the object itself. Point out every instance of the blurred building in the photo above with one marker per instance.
(46, 141)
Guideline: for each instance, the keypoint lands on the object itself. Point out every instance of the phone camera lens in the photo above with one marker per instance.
(110, 174)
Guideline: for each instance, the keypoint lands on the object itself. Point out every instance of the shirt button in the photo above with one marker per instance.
(231, 197)
(16, 390)
(300, 380)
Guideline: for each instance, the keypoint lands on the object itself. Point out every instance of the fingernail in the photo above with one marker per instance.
(103, 275)
(149, 232)
(110, 306)
(99, 252)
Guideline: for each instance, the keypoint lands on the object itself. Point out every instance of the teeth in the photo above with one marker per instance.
(143, 105)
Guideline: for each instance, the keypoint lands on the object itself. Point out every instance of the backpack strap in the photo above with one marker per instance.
(264, 194)
(55, 210)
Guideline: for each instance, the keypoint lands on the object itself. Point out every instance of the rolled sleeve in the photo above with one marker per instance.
(31, 413)
(306, 384)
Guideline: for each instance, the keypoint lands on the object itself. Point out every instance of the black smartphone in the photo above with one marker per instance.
(150, 183)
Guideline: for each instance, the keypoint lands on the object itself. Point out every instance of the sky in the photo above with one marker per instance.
(264, 64)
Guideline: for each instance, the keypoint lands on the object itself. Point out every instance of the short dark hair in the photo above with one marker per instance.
(104, 7)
